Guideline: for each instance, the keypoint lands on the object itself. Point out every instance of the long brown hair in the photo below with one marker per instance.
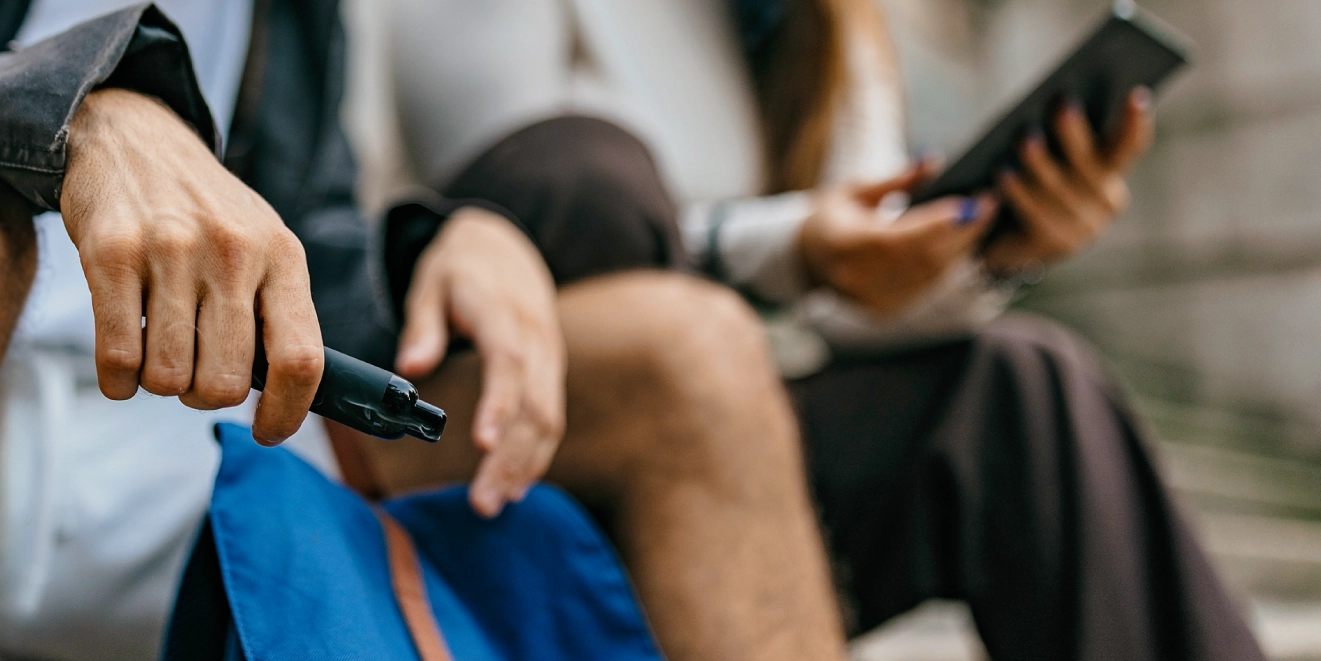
(802, 80)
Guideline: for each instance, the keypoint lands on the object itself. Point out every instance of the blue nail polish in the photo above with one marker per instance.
(967, 211)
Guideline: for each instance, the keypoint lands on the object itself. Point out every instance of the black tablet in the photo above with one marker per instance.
(1130, 49)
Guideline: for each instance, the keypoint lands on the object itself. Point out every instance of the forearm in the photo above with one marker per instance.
(18, 261)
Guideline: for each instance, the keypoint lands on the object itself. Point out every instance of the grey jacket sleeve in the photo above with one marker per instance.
(43, 85)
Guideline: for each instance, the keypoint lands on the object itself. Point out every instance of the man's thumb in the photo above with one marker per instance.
(425, 337)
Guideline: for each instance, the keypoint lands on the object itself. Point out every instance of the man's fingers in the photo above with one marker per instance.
(423, 342)
(502, 393)
(167, 367)
(293, 350)
(507, 473)
(116, 284)
(494, 430)
(1138, 132)
(226, 344)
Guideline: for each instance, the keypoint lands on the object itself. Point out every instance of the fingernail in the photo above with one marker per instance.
(1073, 107)
(266, 442)
(1036, 138)
(490, 432)
(968, 209)
(488, 502)
(409, 354)
(1142, 98)
(1008, 172)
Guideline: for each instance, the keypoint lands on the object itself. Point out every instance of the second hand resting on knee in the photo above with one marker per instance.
(166, 234)
(1063, 206)
(483, 279)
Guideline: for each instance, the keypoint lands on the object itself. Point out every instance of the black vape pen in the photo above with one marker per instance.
(366, 398)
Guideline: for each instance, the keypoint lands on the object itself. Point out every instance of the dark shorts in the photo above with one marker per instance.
(1004, 469)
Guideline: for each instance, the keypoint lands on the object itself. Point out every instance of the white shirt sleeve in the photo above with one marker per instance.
(751, 243)
(755, 240)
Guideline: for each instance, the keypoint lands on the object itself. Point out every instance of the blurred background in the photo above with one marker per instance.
(1206, 297)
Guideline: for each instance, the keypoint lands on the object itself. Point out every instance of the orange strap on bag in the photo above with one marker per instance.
(360, 475)
(411, 592)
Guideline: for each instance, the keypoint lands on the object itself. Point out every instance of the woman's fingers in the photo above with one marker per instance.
(1079, 144)
(292, 340)
(1137, 134)
(1045, 174)
(919, 173)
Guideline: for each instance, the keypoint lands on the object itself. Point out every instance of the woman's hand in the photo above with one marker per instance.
(1063, 207)
(166, 233)
(883, 265)
(481, 278)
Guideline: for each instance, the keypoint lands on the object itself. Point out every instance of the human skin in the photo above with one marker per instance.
(481, 278)
(18, 261)
(678, 429)
(165, 233)
(1064, 206)
(675, 421)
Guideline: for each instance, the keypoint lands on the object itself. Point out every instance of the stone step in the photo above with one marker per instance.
(1237, 481)
(943, 631)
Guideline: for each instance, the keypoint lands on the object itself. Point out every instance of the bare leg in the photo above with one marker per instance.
(18, 261)
(679, 428)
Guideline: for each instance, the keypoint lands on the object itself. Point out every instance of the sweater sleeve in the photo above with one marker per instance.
(44, 84)
(752, 243)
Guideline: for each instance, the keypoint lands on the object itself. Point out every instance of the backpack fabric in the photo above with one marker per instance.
(290, 567)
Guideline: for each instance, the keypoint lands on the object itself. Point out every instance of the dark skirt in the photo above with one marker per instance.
(1005, 469)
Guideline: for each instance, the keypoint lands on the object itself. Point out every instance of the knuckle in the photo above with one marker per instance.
(547, 421)
(234, 249)
(301, 364)
(166, 381)
(119, 360)
(849, 278)
(510, 357)
(223, 390)
(1057, 246)
(174, 240)
(286, 246)
(112, 253)
(1117, 198)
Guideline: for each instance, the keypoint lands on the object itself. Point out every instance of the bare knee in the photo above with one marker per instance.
(684, 367)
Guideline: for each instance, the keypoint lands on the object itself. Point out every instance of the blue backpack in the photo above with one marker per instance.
(292, 567)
